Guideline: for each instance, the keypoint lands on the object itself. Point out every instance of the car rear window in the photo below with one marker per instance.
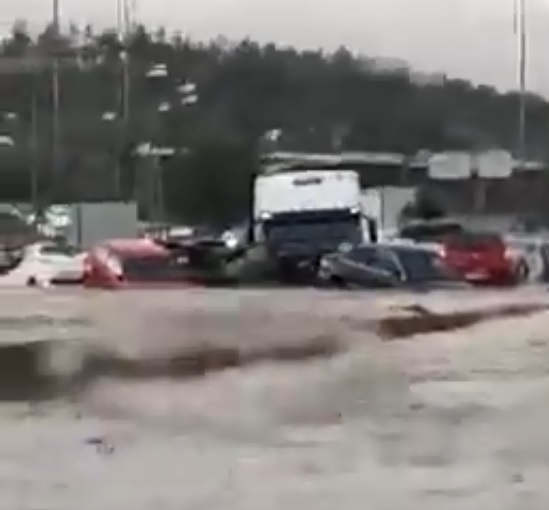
(59, 249)
(152, 268)
(364, 255)
(377, 258)
(475, 240)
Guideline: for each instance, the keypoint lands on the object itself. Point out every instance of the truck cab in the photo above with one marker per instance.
(299, 216)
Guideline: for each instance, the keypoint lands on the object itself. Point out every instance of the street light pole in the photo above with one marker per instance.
(126, 82)
(125, 117)
(34, 149)
(56, 118)
(522, 82)
(123, 88)
(55, 89)
(188, 96)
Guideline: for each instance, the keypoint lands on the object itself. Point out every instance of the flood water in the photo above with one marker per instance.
(301, 405)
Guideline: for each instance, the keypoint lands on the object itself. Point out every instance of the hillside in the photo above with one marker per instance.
(317, 101)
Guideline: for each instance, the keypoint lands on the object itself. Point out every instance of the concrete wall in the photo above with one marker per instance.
(97, 222)
(386, 203)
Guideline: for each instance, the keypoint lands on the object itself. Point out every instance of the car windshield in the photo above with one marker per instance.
(475, 240)
(376, 258)
(315, 227)
(59, 249)
(152, 268)
(315, 231)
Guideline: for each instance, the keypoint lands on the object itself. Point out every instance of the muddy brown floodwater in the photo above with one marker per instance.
(267, 400)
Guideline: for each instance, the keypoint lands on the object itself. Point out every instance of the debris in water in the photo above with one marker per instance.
(102, 445)
(404, 327)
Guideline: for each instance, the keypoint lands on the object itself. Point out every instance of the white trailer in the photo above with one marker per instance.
(383, 207)
(92, 223)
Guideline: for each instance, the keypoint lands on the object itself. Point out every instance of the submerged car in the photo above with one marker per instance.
(203, 261)
(41, 263)
(127, 263)
(387, 266)
(483, 258)
(531, 255)
(63, 262)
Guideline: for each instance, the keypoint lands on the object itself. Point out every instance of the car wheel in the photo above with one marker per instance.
(522, 272)
(337, 282)
(32, 282)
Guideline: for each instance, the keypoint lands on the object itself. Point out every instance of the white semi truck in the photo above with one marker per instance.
(301, 215)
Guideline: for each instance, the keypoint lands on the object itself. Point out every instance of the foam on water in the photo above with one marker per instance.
(371, 425)
(450, 420)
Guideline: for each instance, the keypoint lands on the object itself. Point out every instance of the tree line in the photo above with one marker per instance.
(314, 100)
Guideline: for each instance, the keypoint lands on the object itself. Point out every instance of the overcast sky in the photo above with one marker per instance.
(472, 39)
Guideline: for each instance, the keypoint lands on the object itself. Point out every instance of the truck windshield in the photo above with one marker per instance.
(322, 226)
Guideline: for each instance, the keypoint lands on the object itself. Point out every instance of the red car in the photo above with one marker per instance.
(127, 263)
(481, 258)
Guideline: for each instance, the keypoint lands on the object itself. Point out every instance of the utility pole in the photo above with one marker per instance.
(34, 148)
(125, 28)
(522, 81)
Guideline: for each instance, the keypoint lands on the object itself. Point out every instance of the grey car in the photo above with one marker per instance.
(378, 266)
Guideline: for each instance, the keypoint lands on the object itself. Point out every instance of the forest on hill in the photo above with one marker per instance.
(316, 101)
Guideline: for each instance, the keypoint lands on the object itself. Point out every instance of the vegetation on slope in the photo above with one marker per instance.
(318, 101)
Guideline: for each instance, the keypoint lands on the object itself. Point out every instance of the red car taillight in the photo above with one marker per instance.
(512, 254)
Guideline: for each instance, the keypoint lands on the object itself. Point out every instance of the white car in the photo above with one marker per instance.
(42, 263)
(532, 253)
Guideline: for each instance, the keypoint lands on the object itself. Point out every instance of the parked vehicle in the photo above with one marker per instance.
(203, 261)
(531, 255)
(65, 262)
(127, 263)
(386, 266)
(42, 263)
(483, 258)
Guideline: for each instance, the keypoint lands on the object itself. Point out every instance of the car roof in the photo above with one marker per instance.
(437, 222)
(406, 248)
(135, 247)
(397, 247)
(478, 235)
